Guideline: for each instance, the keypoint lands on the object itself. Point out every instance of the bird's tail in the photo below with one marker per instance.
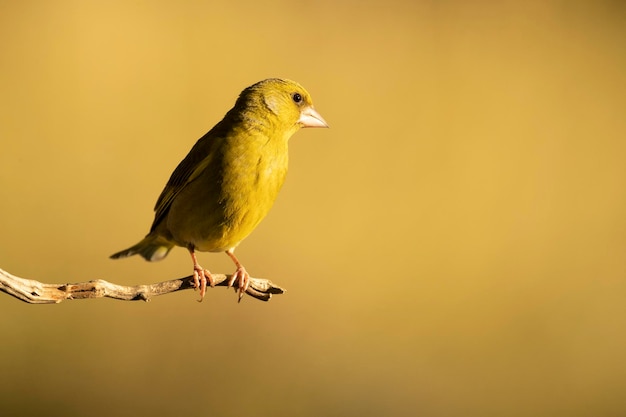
(151, 248)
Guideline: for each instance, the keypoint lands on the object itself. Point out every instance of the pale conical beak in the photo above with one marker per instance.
(311, 118)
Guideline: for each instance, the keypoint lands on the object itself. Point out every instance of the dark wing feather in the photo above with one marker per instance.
(189, 168)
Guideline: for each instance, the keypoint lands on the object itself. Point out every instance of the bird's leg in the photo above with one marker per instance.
(200, 275)
(241, 275)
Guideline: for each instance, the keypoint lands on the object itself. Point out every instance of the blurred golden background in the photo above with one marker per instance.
(455, 244)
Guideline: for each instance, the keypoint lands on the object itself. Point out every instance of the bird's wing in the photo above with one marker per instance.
(189, 168)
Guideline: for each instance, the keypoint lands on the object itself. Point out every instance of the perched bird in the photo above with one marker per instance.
(229, 180)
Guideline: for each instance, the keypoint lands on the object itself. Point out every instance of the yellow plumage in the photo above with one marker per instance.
(229, 180)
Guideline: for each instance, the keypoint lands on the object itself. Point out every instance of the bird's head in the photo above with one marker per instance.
(284, 101)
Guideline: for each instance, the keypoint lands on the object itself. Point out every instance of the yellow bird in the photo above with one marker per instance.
(229, 180)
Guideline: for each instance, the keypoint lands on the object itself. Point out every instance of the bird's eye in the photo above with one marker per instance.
(296, 97)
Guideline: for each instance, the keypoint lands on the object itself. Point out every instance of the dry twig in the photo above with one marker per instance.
(35, 292)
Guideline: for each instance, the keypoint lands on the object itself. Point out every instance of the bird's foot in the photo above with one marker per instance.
(200, 278)
(242, 277)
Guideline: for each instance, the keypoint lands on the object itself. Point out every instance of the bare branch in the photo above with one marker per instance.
(35, 292)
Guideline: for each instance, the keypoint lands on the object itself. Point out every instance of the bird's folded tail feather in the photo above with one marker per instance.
(151, 248)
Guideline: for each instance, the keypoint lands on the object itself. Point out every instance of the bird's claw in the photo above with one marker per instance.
(243, 280)
(200, 278)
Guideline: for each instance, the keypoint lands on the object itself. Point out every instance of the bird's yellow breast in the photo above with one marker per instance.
(236, 191)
